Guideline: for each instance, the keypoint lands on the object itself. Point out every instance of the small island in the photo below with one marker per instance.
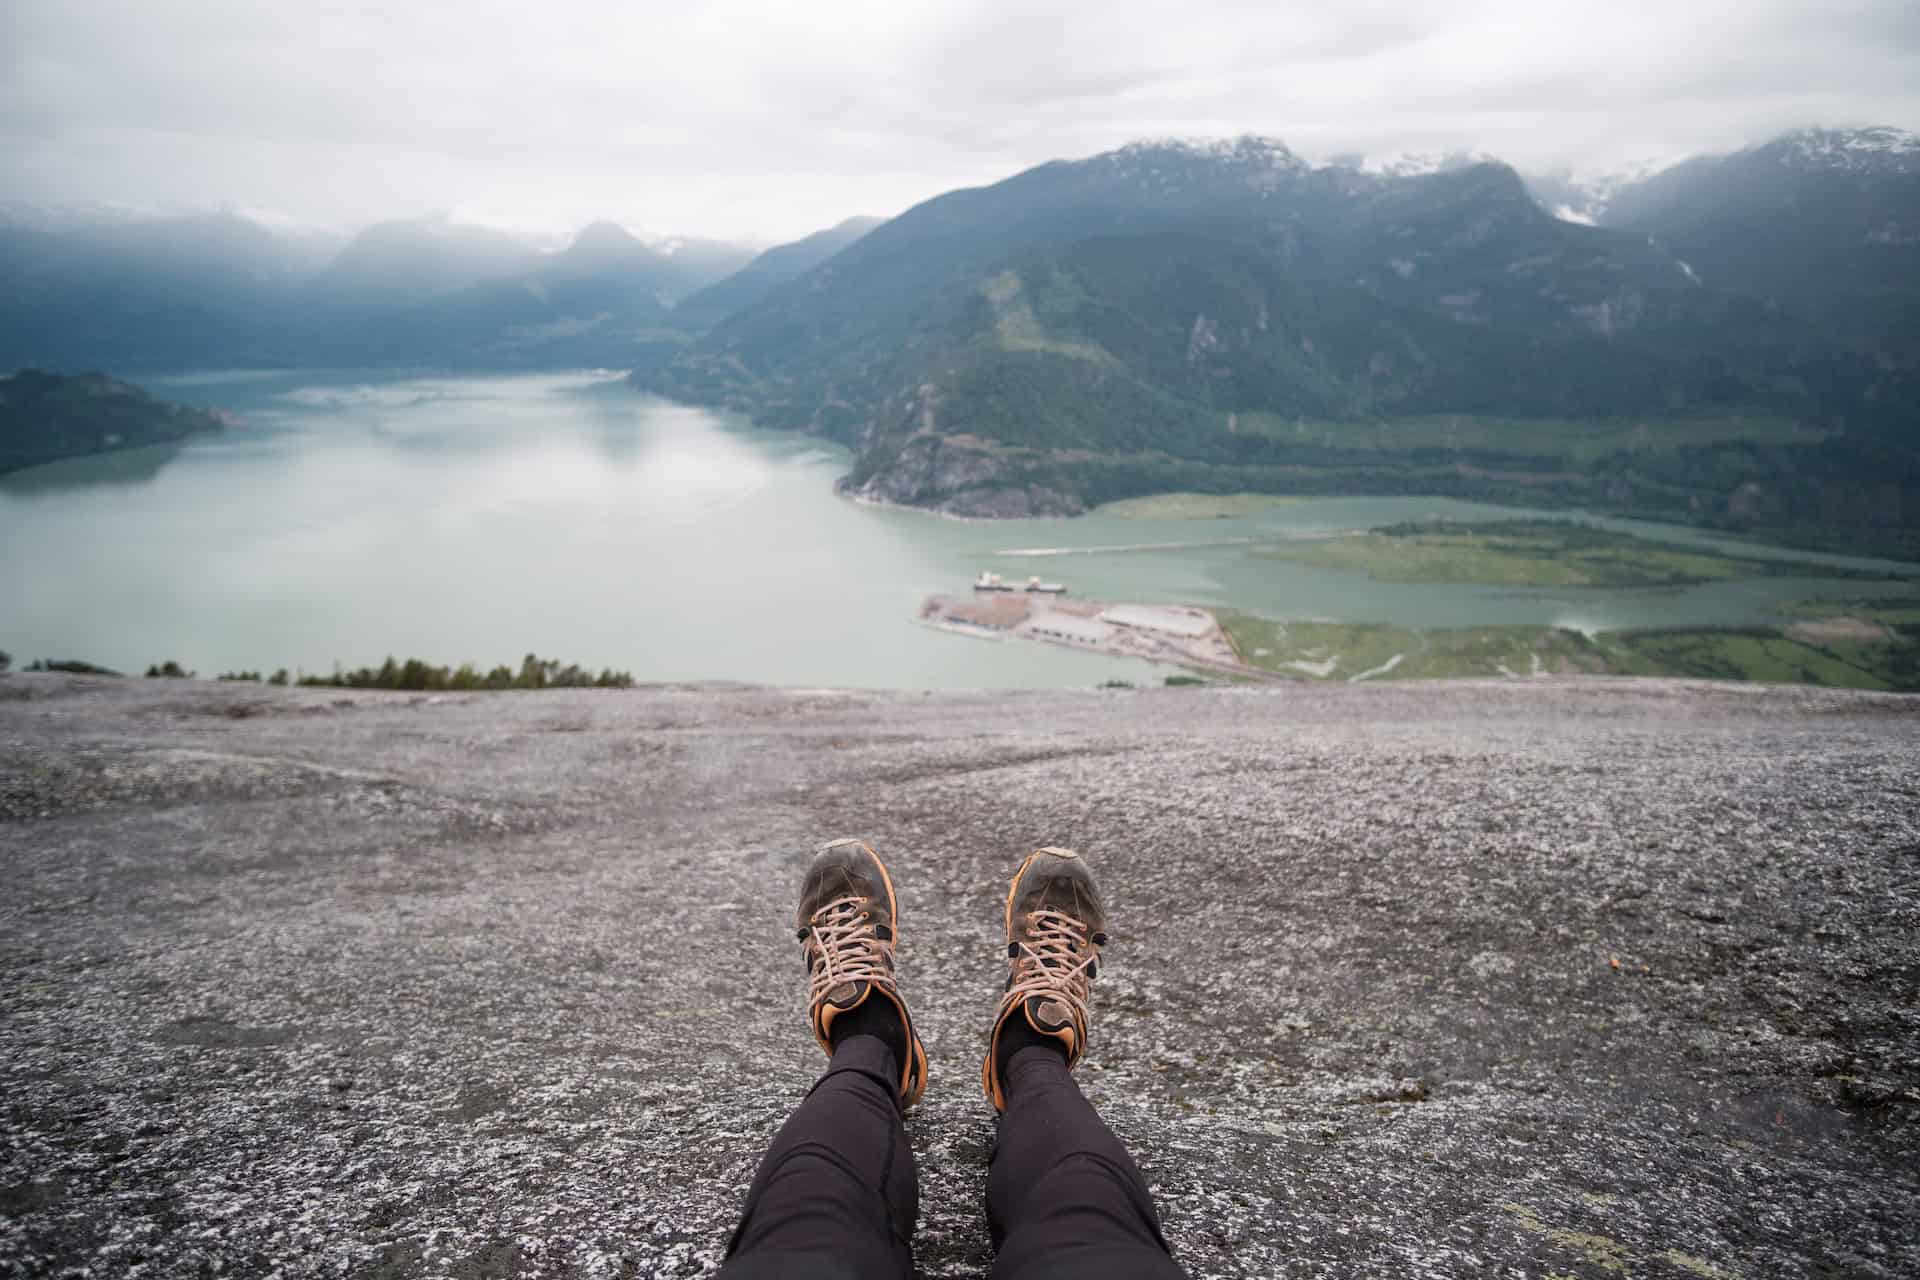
(45, 417)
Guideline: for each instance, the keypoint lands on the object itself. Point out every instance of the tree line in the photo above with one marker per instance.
(534, 672)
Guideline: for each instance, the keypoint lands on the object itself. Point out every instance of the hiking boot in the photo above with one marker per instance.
(848, 929)
(1055, 929)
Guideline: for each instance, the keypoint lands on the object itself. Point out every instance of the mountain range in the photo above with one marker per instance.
(226, 290)
(1731, 340)
(1735, 343)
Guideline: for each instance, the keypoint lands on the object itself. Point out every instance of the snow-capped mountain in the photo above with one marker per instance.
(1171, 165)
(1596, 198)
(1876, 150)
(1416, 164)
(1247, 149)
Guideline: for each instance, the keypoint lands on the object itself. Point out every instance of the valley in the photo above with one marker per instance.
(1725, 342)
(359, 515)
(1225, 340)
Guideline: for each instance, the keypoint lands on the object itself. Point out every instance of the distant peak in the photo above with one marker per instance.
(604, 234)
(1247, 149)
(602, 246)
(1875, 138)
(1875, 148)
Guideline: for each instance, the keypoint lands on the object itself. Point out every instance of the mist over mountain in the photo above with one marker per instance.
(699, 261)
(395, 263)
(602, 301)
(208, 257)
(149, 292)
(606, 248)
(770, 270)
(176, 292)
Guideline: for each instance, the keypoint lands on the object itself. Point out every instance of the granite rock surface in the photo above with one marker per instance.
(1542, 978)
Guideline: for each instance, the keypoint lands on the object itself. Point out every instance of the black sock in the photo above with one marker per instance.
(875, 1017)
(1019, 1034)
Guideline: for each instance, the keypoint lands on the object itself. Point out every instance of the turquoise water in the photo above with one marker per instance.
(352, 516)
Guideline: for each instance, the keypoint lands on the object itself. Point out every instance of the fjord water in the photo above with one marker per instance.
(353, 516)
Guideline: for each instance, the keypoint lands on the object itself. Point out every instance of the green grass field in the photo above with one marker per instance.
(1523, 553)
(1373, 651)
(1888, 611)
(1766, 656)
(1330, 651)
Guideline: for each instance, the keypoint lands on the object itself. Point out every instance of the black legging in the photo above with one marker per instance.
(836, 1197)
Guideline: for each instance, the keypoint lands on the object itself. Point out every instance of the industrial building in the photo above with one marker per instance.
(1064, 626)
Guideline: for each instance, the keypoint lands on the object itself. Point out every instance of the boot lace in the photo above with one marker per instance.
(841, 946)
(1055, 960)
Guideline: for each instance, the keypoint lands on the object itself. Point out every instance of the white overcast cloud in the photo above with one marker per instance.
(762, 120)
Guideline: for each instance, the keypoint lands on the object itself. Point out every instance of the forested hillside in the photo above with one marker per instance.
(45, 417)
(1180, 316)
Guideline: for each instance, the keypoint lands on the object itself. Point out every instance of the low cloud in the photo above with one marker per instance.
(765, 120)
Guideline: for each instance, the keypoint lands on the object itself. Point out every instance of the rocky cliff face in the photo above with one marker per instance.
(956, 477)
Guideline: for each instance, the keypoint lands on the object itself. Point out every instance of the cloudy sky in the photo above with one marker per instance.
(764, 120)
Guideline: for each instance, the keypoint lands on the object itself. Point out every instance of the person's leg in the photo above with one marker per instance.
(1064, 1199)
(835, 1197)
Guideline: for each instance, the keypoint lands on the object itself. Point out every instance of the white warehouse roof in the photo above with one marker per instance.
(1190, 623)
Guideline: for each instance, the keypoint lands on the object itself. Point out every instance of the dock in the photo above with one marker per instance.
(1034, 586)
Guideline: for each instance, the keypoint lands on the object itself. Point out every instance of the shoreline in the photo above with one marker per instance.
(1823, 652)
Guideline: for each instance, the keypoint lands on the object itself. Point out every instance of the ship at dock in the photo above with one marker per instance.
(994, 582)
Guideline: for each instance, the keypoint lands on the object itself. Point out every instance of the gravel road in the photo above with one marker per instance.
(1554, 977)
